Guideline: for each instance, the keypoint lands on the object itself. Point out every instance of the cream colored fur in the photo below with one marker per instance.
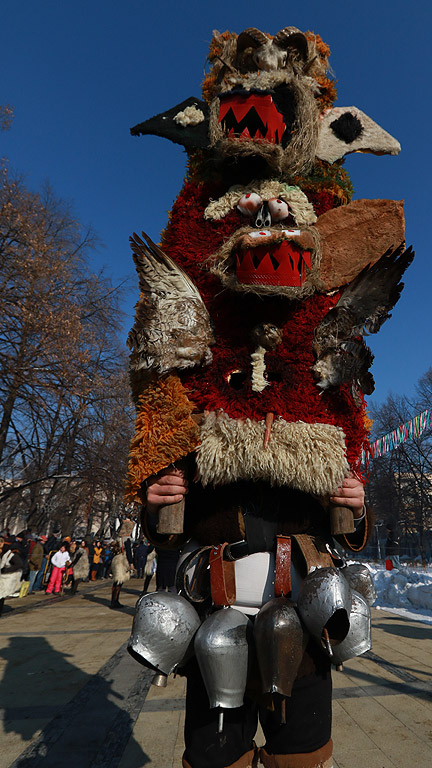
(310, 457)
(120, 569)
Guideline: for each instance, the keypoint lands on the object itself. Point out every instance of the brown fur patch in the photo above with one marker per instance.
(164, 432)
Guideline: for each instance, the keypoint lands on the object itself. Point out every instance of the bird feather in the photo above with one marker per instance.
(364, 306)
(172, 328)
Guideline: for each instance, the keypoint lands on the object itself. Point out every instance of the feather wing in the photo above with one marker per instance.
(172, 328)
(363, 307)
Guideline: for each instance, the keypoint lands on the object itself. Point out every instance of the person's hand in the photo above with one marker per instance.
(169, 486)
(350, 494)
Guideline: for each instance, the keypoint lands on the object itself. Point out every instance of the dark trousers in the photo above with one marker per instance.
(307, 726)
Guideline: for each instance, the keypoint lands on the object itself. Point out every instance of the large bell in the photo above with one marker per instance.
(222, 647)
(359, 578)
(324, 605)
(280, 641)
(358, 639)
(163, 628)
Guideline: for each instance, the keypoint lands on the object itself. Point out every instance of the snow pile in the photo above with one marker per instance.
(406, 591)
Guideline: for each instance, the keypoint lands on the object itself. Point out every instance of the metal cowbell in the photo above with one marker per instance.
(280, 641)
(359, 578)
(358, 639)
(324, 605)
(163, 628)
(223, 646)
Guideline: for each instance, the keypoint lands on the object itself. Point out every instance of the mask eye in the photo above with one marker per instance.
(278, 208)
(249, 204)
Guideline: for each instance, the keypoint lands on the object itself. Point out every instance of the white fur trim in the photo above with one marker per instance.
(9, 583)
(258, 369)
(120, 569)
(189, 116)
(310, 457)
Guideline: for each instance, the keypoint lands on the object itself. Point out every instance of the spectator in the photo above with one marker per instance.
(35, 562)
(392, 546)
(166, 569)
(11, 567)
(41, 573)
(140, 557)
(59, 562)
(96, 559)
(80, 566)
(68, 570)
(107, 558)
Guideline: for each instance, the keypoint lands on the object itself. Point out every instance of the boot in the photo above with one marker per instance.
(320, 758)
(248, 760)
(116, 588)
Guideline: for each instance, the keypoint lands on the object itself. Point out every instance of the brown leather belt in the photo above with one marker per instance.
(222, 577)
(283, 566)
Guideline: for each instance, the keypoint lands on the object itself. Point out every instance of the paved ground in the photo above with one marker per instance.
(72, 695)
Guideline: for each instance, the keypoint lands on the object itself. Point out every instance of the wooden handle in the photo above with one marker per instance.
(341, 520)
(170, 518)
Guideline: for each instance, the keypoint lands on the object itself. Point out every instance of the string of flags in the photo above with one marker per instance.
(411, 429)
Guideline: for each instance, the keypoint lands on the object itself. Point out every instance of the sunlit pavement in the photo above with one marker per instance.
(72, 695)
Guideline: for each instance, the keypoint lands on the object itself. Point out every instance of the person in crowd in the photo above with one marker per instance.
(68, 570)
(140, 556)
(60, 560)
(80, 566)
(121, 571)
(107, 558)
(53, 542)
(392, 546)
(11, 567)
(36, 556)
(41, 573)
(166, 569)
(96, 559)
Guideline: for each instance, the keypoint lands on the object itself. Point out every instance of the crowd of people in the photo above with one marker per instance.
(34, 563)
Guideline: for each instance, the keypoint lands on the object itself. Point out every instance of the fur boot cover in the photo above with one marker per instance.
(149, 567)
(120, 569)
(82, 566)
(9, 582)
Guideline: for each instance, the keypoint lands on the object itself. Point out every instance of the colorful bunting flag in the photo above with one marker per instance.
(411, 429)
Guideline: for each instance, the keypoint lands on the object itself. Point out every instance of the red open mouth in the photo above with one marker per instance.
(251, 116)
(284, 263)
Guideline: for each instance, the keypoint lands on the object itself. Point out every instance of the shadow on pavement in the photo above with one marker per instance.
(107, 602)
(92, 728)
(400, 629)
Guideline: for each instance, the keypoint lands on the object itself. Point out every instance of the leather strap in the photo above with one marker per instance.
(283, 566)
(222, 577)
(313, 551)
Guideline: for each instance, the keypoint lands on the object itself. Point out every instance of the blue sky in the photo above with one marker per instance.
(80, 73)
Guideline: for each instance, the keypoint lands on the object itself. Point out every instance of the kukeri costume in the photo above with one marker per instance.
(247, 357)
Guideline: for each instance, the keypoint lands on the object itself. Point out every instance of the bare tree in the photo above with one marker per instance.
(66, 417)
(400, 486)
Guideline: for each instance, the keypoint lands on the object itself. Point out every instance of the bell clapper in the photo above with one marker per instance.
(283, 711)
(326, 641)
(160, 680)
(220, 720)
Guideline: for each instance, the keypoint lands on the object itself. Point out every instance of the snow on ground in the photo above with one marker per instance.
(405, 591)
